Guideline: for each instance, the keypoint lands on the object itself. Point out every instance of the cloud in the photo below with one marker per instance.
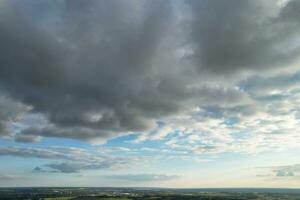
(281, 173)
(112, 78)
(8, 177)
(33, 133)
(286, 171)
(27, 138)
(11, 111)
(71, 160)
(253, 36)
(102, 96)
(63, 167)
(143, 177)
(75, 167)
(37, 169)
(52, 153)
(95, 70)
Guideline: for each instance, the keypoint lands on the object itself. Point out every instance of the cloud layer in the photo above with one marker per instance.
(143, 177)
(94, 70)
(71, 160)
(255, 35)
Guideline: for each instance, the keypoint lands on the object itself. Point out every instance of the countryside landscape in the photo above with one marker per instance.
(149, 99)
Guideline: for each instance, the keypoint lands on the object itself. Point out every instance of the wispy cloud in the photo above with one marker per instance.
(8, 177)
(71, 160)
(143, 177)
(282, 172)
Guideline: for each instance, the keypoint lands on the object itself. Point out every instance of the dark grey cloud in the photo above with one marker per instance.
(37, 169)
(143, 177)
(93, 70)
(98, 69)
(31, 134)
(63, 167)
(43, 170)
(230, 36)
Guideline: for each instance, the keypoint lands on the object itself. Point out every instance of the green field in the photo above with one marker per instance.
(59, 198)
(146, 194)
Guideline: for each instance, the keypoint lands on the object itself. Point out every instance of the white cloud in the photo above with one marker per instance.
(143, 177)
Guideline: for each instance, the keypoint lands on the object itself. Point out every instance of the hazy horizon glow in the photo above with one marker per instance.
(160, 93)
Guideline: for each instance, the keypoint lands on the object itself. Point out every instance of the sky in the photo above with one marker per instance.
(160, 93)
